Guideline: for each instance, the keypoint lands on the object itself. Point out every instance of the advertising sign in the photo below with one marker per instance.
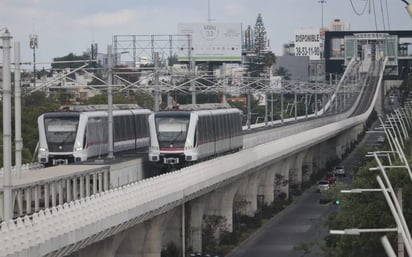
(211, 42)
(307, 43)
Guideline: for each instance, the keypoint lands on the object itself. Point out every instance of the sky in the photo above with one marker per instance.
(65, 27)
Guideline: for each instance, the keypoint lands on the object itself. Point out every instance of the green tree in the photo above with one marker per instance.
(366, 210)
(283, 72)
(269, 59)
(69, 61)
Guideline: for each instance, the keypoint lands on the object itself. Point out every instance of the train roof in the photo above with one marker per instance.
(98, 107)
(198, 107)
(182, 113)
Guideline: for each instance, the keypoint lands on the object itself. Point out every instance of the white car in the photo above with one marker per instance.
(339, 171)
(323, 185)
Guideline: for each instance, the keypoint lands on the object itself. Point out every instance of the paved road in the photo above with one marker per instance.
(300, 224)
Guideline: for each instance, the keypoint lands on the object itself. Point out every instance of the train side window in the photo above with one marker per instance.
(85, 137)
(200, 130)
(130, 127)
(195, 137)
(227, 127)
(213, 126)
(144, 125)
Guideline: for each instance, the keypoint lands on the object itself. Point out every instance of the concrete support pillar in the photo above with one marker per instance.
(154, 234)
(267, 187)
(308, 164)
(282, 177)
(296, 170)
(197, 210)
(340, 145)
(221, 204)
(316, 158)
(104, 248)
(247, 195)
(145, 239)
(133, 241)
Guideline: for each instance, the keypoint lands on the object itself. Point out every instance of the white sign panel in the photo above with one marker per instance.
(307, 43)
(211, 41)
(276, 82)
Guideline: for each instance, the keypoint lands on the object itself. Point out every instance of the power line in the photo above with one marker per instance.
(356, 11)
(387, 14)
(374, 15)
(383, 16)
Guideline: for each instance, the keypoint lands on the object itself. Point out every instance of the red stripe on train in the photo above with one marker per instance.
(172, 149)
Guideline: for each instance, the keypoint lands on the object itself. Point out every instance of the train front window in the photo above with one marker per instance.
(61, 131)
(172, 131)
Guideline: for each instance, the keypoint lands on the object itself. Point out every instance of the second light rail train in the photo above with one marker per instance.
(194, 133)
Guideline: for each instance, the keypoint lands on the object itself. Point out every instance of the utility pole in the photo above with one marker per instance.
(17, 108)
(7, 192)
(110, 102)
(156, 82)
(33, 45)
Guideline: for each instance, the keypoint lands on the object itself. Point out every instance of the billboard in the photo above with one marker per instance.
(307, 43)
(220, 42)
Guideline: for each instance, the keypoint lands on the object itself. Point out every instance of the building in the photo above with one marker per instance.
(337, 25)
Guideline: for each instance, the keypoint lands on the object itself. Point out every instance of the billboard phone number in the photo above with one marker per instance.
(307, 51)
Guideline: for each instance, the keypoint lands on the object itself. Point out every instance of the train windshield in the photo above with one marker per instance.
(172, 131)
(61, 132)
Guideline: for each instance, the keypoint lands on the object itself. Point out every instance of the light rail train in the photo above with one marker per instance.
(78, 133)
(194, 133)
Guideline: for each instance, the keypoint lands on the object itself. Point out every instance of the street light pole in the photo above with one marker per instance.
(405, 238)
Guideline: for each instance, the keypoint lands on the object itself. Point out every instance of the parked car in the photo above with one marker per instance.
(339, 171)
(323, 185)
(331, 177)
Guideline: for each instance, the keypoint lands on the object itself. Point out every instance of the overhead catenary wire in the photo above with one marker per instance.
(387, 14)
(356, 11)
(374, 15)
(383, 16)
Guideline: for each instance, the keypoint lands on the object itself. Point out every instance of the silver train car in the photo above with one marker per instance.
(77, 135)
(186, 136)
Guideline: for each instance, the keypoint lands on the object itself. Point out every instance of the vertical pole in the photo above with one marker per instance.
(8, 204)
(281, 105)
(316, 104)
(401, 245)
(192, 66)
(192, 83)
(296, 105)
(156, 82)
(306, 105)
(183, 230)
(249, 114)
(266, 108)
(271, 111)
(110, 103)
(17, 108)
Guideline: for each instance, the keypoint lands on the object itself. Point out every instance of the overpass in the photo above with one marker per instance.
(139, 218)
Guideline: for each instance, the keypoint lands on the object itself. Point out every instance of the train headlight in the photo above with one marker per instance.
(42, 149)
(76, 149)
